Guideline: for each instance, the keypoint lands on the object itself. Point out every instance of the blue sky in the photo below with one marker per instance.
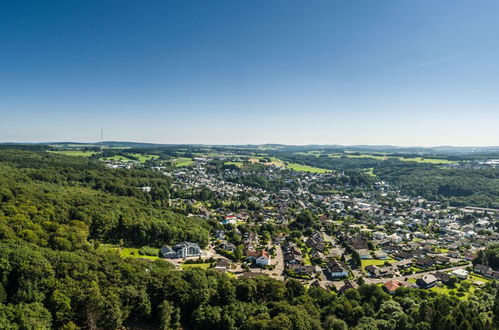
(260, 71)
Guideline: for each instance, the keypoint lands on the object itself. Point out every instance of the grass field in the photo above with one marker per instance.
(117, 158)
(134, 253)
(305, 168)
(377, 262)
(143, 158)
(238, 164)
(183, 161)
(126, 252)
(475, 277)
(203, 266)
(79, 153)
(443, 289)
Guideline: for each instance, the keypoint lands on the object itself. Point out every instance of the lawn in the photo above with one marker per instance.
(476, 277)
(377, 262)
(203, 266)
(126, 252)
(306, 168)
(183, 161)
(79, 153)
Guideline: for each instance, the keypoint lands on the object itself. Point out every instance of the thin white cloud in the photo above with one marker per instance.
(443, 59)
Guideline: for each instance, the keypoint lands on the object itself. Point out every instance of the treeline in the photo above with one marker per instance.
(458, 187)
(489, 257)
(63, 202)
(43, 289)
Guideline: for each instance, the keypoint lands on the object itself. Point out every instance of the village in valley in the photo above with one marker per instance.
(323, 227)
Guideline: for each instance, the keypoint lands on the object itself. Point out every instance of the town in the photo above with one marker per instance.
(270, 220)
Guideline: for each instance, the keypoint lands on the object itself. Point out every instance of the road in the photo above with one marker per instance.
(278, 262)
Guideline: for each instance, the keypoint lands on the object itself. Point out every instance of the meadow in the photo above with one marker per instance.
(305, 168)
(79, 153)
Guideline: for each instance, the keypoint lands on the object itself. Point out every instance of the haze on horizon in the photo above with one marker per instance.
(402, 73)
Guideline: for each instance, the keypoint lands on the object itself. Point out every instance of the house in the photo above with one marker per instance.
(263, 259)
(223, 263)
(394, 238)
(318, 284)
(227, 246)
(401, 255)
(404, 264)
(278, 240)
(482, 269)
(303, 269)
(337, 269)
(229, 220)
(486, 271)
(427, 281)
(315, 243)
(219, 234)
(358, 243)
(181, 250)
(377, 235)
(424, 262)
(460, 273)
(377, 272)
(380, 255)
(251, 274)
(441, 260)
(442, 277)
(392, 286)
(348, 285)
(251, 254)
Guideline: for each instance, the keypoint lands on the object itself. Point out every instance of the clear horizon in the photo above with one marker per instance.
(284, 72)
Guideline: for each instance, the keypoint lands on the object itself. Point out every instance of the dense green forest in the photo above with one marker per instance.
(63, 202)
(458, 187)
(56, 210)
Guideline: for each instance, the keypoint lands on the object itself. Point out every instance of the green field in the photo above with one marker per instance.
(79, 153)
(183, 161)
(238, 164)
(134, 253)
(143, 158)
(203, 266)
(305, 168)
(126, 252)
(377, 262)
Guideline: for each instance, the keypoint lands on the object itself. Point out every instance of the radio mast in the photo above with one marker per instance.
(101, 140)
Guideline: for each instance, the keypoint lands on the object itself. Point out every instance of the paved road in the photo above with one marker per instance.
(278, 262)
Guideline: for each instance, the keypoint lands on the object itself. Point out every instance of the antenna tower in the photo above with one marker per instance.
(101, 140)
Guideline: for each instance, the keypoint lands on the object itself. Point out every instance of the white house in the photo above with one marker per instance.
(263, 259)
(461, 273)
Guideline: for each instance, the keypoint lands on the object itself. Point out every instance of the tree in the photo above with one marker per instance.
(332, 323)
(167, 316)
